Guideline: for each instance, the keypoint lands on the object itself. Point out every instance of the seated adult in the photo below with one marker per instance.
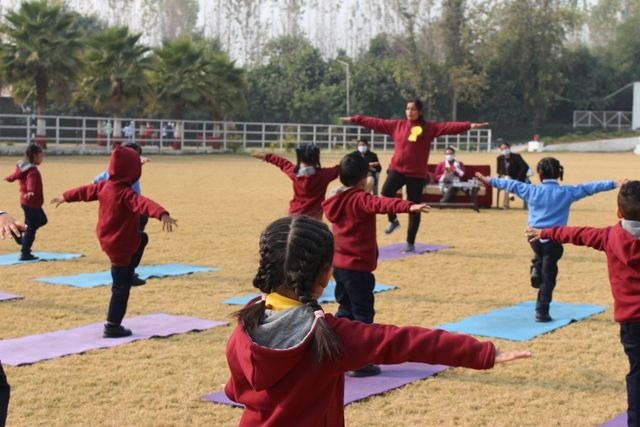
(374, 166)
(512, 166)
(448, 174)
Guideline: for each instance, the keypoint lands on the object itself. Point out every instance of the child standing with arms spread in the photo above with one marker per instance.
(310, 180)
(287, 357)
(621, 244)
(118, 227)
(31, 198)
(352, 212)
(549, 205)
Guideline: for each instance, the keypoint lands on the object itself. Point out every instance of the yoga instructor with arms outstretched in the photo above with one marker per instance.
(412, 140)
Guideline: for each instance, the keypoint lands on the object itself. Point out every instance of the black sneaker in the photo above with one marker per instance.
(365, 371)
(393, 226)
(115, 331)
(535, 277)
(28, 257)
(137, 281)
(543, 317)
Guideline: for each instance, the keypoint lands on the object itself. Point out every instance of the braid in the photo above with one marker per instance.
(550, 168)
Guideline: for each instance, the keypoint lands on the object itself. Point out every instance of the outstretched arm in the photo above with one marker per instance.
(9, 226)
(380, 125)
(592, 237)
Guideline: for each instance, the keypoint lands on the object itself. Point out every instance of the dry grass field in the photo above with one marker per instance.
(575, 377)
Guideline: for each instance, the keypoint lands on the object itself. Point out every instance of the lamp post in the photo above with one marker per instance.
(346, 64)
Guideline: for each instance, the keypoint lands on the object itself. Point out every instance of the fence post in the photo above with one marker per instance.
(204, 135)
(299, 137)
(244, 135)
(84, 130)
(329, 138)
(224, 136)
(281, 136)
(344, 139)
(57, 130)
(263, 136)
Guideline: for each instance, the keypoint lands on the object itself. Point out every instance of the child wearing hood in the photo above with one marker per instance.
(31, 198)
(118, 226)
(287, 357)
(621, 244)
(310, 180)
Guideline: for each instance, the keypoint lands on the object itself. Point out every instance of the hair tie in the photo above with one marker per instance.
(318, 314)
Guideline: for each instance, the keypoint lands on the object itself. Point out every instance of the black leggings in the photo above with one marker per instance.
(5, 392)
(34, 218)
(394, 182)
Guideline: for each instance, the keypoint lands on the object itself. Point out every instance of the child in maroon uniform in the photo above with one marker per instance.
(287, 357)
(118, 227)
(31, 198)
(352, 212)
(310, 180)
(621, 244)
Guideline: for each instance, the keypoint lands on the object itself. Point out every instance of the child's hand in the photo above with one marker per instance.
(345, 119)
(422, 207)
(168, 223)
(29, 195)
(508, 356)
(621, 182)
(479, 125)
(258, 155)
(484, 179)
(9, 226)
(58, 201)
(533, 234)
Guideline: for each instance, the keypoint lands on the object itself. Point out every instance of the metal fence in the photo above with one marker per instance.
(605, 119)
(96, 134)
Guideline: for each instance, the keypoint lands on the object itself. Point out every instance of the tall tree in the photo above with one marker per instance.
(41, 45)
(115, 79)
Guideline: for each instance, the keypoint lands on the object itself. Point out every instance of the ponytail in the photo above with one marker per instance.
(550, 168)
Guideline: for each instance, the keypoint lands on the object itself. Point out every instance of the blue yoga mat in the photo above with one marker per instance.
(517, 323)
(329, 294)
(11, 259)
(91, 280)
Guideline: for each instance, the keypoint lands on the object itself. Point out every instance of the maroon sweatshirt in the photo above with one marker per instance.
(411, 153)
(623, 262)
(30, 181)
(280, 385)
(352, 213)
(308, 191)
(119, 207)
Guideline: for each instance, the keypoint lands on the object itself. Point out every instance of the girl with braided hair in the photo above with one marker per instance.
(287, 357)
(310, 180)
(549, 205)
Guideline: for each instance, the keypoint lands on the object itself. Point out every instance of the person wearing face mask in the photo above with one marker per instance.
(510, 166)
(408, 167)
(374, 166)
(448, 174)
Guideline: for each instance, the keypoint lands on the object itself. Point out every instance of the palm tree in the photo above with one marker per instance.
(40, 47)
(190, 75)
(115, 78)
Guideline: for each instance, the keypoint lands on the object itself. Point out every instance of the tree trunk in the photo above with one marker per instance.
(454, 106)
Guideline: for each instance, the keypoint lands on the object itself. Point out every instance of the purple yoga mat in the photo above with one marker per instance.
(35, 348)
(619, 421)
(392, 376)
(395, 251)
(5, 297)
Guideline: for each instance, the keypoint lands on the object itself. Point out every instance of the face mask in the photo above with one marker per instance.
(505, 152)
(362, 148)
(449, 157)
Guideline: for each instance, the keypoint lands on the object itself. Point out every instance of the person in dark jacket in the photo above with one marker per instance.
(510, 165)
(374, 166)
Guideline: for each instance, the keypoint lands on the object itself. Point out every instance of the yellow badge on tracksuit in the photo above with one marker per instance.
(415, 132)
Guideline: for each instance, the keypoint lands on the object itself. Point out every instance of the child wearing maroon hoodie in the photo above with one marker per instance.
(621, 244)
(287, 357)
(310, 180)
(119, 214)
(352, 211)
(31, 198)
(412, 143)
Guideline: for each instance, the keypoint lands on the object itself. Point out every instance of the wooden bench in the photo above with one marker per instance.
(469, 197)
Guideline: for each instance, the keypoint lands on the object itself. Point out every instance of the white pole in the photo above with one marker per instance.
(635, 114)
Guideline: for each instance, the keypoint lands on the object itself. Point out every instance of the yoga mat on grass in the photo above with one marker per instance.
(91, 280)
(517, 323)
(329, 294)
(51, 345)
(396, 250)
(11, 259)
(392, 376)
(6, 297)
(619, 421)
